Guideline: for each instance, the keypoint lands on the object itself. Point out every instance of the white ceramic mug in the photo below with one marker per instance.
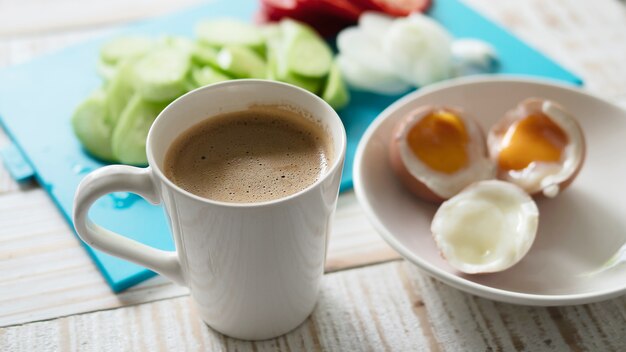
(253, 269)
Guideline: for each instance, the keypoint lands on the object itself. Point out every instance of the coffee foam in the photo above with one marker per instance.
(260, 154)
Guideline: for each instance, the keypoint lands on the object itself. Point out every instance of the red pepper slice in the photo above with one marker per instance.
(396, 8)
(327, 16)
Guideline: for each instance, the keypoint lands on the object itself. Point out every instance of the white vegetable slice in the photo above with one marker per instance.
(364, 65)
(375, 24)
(361, 77)
(355, 44)
(418, 49)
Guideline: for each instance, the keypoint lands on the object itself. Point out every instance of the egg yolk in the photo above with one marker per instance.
(531, 139)
(440, 140)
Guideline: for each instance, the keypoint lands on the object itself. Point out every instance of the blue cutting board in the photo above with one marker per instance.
(38, 98)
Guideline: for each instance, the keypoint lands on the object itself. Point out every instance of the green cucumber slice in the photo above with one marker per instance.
(191, 84)
(225, 32)
(182, 44)
(123, 48)
(204, 55)
(203, 76)
(105, 70)
(313, 85)
(119, 91)
(335, 92)
(271, 32)
(128, 142)
(277, 68)
(241, 62)
(91, 126)
(161, 75)
(306, 54)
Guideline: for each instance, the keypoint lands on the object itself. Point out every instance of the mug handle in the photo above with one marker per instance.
(122, 178)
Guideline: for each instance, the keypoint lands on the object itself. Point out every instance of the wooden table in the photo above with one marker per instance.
(52, 297)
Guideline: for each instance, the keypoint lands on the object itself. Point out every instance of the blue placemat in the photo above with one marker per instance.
(37, 100)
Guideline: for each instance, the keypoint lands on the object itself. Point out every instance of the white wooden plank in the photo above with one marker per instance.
(6, 182)
(17, 50)
(387, 307)
(43, 16)
(589, 37)
(354, 242)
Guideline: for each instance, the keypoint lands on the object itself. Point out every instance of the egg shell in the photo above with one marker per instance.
(416, 186)
(522, 110)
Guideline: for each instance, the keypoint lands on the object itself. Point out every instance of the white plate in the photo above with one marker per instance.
(579, 231)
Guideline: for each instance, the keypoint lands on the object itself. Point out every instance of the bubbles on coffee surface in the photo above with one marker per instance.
(255, 155)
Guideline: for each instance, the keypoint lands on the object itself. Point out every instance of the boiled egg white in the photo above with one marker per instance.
(538, 146)
(488, 227)
(437, 151)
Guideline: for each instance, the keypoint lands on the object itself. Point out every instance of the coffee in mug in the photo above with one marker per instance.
(262, 153)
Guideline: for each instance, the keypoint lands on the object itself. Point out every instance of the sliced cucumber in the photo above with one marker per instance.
(182, 44)
(92, 128)
(142, 75)
(271, 66)
(191, 83)
(313, 85)
(119, 91)
(241, 62)
(276, 70)
(123, 48)
(204, 55)
(129, 136)
(270, 32)
(160, 76)
(203, 76)
(306, 54)
(335, 92)
(224, 32)
(106, 71)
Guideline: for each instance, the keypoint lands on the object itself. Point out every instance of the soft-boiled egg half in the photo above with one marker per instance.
(488, 227)
(437, 151)
(538, 146)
